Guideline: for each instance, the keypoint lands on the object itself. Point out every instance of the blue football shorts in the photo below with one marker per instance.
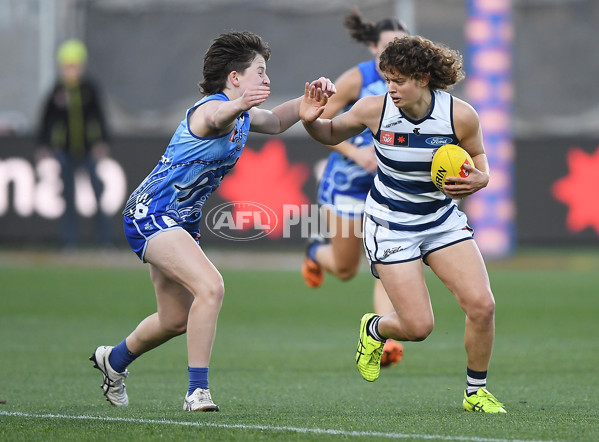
(344, 187)
(140, 230)
(386, 246)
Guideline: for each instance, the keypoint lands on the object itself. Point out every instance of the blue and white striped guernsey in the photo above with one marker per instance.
(403, 196)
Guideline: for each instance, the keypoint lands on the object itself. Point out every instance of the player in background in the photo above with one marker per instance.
(162, 216)
(349, 173)
(407, 219)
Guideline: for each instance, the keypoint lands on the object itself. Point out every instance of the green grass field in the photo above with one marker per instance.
(283, 362)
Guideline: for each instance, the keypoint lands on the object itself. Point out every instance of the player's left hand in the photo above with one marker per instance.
(312, 103)
(461, 187)
(254, 96)
(326, 85)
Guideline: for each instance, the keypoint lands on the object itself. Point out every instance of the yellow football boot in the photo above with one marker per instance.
(482, 402)
(369, 352)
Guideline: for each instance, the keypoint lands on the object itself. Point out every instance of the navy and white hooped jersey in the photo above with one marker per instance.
(343, 176)
(403, 196)
(189, 171)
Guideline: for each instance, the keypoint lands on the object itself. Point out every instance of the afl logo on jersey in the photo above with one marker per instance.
(438, 141)
(387, 137)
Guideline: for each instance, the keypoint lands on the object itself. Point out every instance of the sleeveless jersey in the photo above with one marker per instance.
(189, 171)
(403, 196)
(342, 176)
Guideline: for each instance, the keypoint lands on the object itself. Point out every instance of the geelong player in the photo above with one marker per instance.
(349, 173)
(407, 219)
(162, 216)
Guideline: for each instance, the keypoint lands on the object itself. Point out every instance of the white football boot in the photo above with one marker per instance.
(113, 384)
(199, 400)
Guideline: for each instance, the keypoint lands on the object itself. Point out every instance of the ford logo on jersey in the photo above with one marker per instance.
(438, 141)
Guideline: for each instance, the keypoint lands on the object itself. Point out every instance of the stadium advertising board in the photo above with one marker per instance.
(268, 200)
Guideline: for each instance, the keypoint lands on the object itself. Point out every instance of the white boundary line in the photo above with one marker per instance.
(264, 428)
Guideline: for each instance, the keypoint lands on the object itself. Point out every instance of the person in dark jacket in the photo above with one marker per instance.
(73, 130)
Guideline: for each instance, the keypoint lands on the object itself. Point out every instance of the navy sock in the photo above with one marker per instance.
(198, 378)
(475, 380)
(312, 251)
(121, 357)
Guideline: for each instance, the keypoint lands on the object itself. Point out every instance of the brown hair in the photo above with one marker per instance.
(417, 57)
(367, 32)
(233, 51)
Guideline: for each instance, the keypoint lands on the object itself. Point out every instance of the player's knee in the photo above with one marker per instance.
(174, 325)
(346, 273)
(346, 270)
(419, 333)
(483, 311)
(416, 331)
(178, 328)
(213, 291)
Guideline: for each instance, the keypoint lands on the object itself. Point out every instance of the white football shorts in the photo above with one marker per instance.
(386, 246)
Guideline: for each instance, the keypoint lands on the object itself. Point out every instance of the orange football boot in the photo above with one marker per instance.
(392, 353)
(312, 272)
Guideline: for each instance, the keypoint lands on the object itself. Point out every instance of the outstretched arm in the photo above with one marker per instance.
(365, 113)
(218, 117)
(285, 115)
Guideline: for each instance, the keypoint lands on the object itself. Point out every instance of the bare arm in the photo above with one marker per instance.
(218, 117)
(365, 113)
(277, 120)
(285, 115)
(469, 132)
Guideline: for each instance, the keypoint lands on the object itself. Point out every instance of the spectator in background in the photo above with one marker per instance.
(73, 130)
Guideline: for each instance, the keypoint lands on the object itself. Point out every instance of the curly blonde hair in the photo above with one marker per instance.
(417, 57)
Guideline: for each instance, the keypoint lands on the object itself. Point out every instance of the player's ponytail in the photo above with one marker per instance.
(368, 32)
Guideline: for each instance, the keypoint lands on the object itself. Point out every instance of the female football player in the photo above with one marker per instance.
(407, 219)
(349, 173)
(162, 216)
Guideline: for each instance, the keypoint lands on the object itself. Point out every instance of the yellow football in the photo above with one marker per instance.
(449, 160)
